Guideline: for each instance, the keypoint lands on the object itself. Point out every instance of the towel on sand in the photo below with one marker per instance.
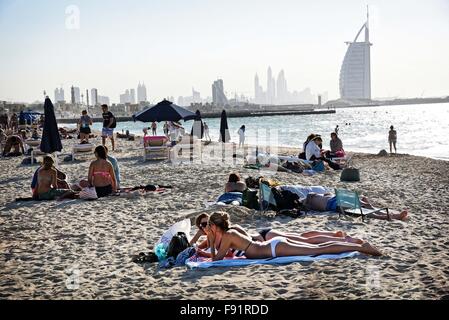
(196, 262)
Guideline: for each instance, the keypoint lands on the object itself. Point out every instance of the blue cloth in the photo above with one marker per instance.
(180, 259)
(332, 204)
(34, 181)
(273, 261)
(229, 197)
(114, 163)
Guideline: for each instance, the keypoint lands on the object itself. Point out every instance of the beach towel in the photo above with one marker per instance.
(196, 262)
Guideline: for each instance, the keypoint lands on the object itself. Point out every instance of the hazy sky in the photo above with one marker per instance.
(174, 45)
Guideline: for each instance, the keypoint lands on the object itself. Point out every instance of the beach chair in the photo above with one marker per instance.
(156, 148)
(266, 197)
(348, 202)
(82, 149)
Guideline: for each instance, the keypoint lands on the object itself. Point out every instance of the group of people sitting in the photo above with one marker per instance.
(103, 179)
(313, 150)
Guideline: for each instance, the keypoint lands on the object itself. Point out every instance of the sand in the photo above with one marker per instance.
(82, 250)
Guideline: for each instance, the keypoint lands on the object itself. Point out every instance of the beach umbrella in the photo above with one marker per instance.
(51, 141)
(198, 126)
(224, 129)
(164, 111)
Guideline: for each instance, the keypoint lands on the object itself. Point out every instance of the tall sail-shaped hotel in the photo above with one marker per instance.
(355, 74)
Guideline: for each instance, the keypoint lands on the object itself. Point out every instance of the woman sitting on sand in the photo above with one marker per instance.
(310, 237)
(47, 183)
(219, 227)
(101, 174)
(235, 184)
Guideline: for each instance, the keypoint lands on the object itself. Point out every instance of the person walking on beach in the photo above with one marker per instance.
(206, 132)
(109, 124)
(154, 128)
(166, 129)
(84, 127)
(392, 138)
(241, 133)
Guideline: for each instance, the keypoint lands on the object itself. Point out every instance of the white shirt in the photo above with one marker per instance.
(312, 150)
(241, 134)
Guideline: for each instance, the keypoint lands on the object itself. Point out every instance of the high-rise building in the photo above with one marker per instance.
(355, 74)
(258, 91)
(76, 95)
(271, 90)
(94, 97)
(132, 96)
(141, 93)
(282, 92)
(72, 95)
(59, 95)
(87, 97)
(104, 100)
(218, 95)
(196, 96)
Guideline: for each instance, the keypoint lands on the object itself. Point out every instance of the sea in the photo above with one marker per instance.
(421, 129)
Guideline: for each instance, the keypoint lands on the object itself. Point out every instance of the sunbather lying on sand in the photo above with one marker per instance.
(219, 226)
(310, 237)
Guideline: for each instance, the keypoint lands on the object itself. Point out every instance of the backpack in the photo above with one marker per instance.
(178, 244)
(250, 199)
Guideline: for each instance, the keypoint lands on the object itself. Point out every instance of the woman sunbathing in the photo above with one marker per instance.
(219, 227)
(310, 237)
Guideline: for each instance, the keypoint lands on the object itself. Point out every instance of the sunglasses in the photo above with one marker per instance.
(203, 225)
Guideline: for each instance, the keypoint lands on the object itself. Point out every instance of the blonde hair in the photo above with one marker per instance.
(220, 219)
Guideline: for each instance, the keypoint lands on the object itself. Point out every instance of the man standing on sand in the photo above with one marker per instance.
(109, 124)
(392, 138)
(154, 128)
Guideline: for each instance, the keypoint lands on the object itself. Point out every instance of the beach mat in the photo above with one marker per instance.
(204, 263)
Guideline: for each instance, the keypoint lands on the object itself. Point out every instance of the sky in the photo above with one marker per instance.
(174, 45)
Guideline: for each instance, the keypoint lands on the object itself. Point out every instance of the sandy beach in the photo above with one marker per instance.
(43, 244)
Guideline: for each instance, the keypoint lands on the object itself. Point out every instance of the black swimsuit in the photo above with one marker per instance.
(263, 233)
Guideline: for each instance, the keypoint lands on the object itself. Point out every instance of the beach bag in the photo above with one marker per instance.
(350, 175)
(178, 244)
(250, 199)
(285, 200)
(88, 194)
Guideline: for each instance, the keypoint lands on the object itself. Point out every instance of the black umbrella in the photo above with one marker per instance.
(198, 126)
(164, 111)
(224, 129)
(51, 141)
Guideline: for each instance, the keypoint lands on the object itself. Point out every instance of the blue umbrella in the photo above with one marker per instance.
(51, 141)
(164, 111)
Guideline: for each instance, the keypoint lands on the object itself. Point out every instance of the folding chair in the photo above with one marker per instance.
(266, 197)
(348, 202)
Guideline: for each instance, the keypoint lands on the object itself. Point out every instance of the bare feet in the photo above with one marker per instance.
(340, 234)
(369, 249)
(353, 240)
(403, 215)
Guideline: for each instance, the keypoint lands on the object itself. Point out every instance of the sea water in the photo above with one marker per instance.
(421, 129)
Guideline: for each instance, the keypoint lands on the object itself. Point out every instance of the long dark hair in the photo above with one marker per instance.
(101, 152)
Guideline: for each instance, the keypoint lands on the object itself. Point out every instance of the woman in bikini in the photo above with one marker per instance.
(47, 183)
(219, 227)
(309, 237)
(101, 174)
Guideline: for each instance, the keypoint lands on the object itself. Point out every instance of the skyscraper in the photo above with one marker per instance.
(218, 96)
(282, 92)
(141, 93)
(258, 90)
(76, 94)
(94, 96)
(59, 95)
(271, 90)
(132, 96)
(72, 95)
(355, 74)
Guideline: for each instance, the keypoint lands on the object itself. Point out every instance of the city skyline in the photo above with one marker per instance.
(307, 40)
